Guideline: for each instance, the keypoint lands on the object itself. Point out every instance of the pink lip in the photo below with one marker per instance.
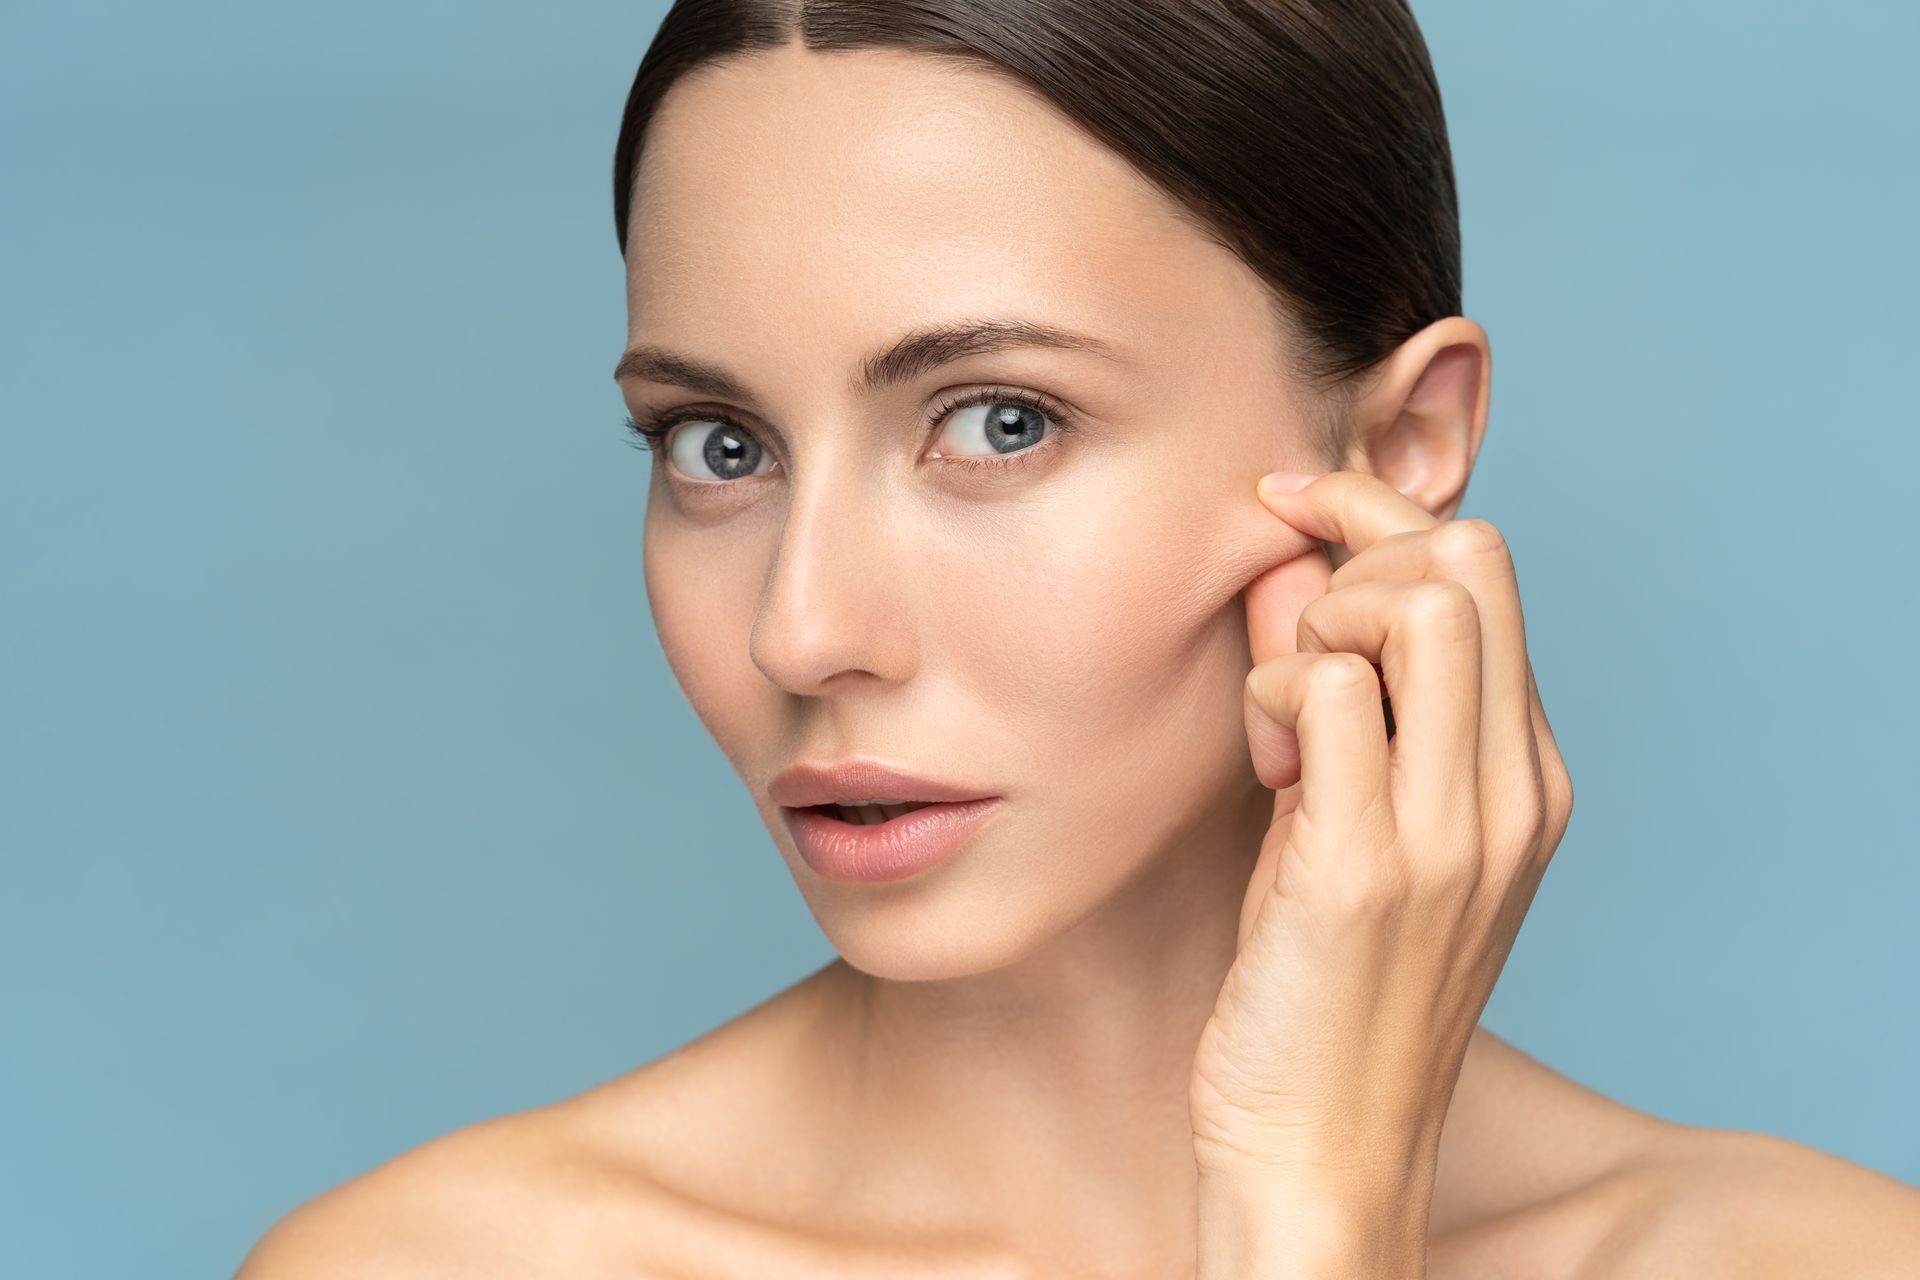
(861, 778)
(885, 851)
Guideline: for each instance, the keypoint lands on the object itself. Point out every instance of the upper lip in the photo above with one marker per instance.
(844, 781)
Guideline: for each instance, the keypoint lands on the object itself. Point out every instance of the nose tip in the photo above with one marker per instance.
(832, 602)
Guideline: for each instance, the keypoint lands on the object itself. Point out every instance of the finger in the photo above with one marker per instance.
(1425, 637)
(1475, 554)
(1556, 782)
(1274, 600)
(1353, 508)
(1330, 703)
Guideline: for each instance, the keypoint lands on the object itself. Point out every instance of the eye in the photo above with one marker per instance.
(1009, 424)
(711, 441)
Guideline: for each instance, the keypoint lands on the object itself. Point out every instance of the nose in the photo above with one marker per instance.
(835, 603)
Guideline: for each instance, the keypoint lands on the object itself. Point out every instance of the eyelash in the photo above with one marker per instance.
(650, 432)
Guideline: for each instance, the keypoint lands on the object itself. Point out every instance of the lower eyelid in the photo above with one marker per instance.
(1001, 461)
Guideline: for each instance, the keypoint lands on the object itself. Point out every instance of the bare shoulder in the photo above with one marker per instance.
(532, 1196)
(1724, 1203)
(571, 1188)
(1541, 1175)
(501, 1197)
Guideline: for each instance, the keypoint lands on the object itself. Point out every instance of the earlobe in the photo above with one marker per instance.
(1420, 425)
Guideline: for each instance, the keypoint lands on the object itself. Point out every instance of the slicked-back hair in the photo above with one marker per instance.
(1306, 136)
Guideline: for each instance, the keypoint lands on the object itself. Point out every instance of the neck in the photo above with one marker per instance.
(1043, 1105)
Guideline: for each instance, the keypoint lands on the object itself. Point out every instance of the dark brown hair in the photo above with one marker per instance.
(1306, 136)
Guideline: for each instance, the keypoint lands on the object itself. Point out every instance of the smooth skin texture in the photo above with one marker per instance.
(997, 1076)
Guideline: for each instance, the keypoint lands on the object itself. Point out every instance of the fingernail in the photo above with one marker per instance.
(1285, 482)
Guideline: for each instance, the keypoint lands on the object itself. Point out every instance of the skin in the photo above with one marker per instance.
(998, 1075)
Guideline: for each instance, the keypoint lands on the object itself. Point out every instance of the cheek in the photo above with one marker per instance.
(1104, 630)
(1101, 628)
(703, 614)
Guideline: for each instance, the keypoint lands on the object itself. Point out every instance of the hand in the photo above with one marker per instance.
(1393, 879)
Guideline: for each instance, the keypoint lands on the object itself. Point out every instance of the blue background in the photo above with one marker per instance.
(340, 758)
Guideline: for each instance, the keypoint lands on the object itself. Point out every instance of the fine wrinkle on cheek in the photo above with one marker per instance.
(1193, 591)
(1185, 585)
(1253, 547)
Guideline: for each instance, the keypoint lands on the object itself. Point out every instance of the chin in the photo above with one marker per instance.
(905, 960)
(987, 908)
(924, 932)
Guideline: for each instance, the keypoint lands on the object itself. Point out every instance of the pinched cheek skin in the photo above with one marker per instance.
(1115, 635)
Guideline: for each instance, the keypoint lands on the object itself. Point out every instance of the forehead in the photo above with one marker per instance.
(871, 186)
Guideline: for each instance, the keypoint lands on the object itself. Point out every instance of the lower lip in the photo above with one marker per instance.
(882, 851)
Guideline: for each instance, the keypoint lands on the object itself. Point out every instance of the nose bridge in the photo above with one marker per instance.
(832, 601)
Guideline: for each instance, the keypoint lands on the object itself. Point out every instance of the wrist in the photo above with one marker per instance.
(1265, 1227)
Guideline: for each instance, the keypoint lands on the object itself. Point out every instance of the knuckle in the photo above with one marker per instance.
(1408, 541)
(1266, 682)
(1457, 874)
(1441, 601)
(1523, 830)
(1343, 675)
(1559, 798)
(1468, 541)
(1375, 886)
(1534, 824)
(1307, 630)
(1519, 822)
(1555, 781)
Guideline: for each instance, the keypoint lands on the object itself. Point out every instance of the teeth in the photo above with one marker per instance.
(877, 811)
(861, 804)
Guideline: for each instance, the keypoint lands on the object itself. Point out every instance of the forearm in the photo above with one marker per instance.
(1259, 1228)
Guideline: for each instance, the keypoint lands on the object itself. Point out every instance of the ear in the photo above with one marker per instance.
(1419, 422)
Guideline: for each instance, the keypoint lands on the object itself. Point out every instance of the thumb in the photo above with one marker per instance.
(1276, 597)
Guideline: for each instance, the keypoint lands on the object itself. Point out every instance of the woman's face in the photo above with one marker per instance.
(1047, 610)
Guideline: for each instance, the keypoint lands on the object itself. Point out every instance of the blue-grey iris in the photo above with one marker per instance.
(731, 454)
(1017, 425)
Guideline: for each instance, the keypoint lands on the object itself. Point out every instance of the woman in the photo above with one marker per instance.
(963, 335)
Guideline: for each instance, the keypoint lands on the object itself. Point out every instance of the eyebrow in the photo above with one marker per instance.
(913, 354)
